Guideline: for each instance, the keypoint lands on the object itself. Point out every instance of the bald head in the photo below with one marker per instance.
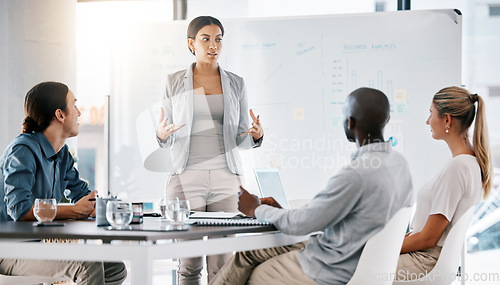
(370, 110)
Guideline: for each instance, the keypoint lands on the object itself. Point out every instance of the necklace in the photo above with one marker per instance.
(217, 86)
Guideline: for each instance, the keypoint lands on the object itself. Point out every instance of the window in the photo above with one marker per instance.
(494, 91)
(98, 22)
(494, 10)
(379, 6)
(490, 238)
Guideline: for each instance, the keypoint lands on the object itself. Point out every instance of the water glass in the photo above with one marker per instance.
(163, 206)
(119, 214)
(176, 212)
(45, 210)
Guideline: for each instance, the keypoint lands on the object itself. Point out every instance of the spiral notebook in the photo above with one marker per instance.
(229, 222)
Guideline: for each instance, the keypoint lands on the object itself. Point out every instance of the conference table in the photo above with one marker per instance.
(142, 244)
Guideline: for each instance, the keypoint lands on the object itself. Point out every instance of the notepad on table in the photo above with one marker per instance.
(228, 222)
(216, 215)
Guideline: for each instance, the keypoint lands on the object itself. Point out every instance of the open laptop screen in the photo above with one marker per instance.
(270, 185)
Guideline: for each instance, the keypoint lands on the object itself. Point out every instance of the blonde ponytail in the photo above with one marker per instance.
(481, 144)
(459, 103)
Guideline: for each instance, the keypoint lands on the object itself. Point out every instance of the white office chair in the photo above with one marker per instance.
(446, 268)
(32, 280)
(379, 258)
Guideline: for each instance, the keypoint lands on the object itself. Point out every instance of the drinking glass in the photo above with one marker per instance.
(119, 214)
(163, 205)
(176, 212)
(45, 209)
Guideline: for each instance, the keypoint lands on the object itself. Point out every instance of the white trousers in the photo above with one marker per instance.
(207, 191)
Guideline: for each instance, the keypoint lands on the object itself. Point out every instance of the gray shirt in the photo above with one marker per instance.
(206, 147)
(356, 203)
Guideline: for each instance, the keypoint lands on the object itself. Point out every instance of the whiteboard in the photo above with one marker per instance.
(298, 72)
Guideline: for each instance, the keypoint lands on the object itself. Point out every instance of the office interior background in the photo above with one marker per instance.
(37, 37)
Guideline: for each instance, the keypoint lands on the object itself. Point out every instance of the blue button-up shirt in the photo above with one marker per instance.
(30, 169)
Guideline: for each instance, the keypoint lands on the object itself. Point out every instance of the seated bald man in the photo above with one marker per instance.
(356, 203)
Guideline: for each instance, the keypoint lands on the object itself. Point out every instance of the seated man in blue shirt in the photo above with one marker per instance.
(38, 164)
(356, 203)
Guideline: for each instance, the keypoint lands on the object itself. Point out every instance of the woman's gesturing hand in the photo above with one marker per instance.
(164, 128)
(256, 131)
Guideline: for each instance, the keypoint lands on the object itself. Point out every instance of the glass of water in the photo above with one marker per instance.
(163, 206)
(176, 212)
(45, 210)
(119, 214)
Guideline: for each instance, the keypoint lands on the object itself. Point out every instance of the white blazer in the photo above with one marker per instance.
(178, 107)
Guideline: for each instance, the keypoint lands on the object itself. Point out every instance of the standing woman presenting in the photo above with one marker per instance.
(204, 120)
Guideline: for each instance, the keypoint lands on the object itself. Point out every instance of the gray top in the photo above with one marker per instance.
(178, 106)
(356, 203)
(207, 147)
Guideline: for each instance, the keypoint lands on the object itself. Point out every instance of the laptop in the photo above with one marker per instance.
(270, 185)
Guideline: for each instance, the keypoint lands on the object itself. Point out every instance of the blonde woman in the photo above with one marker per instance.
(459, 185)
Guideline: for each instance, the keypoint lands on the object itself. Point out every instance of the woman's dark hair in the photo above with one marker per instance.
(200, 22)
(41, 103)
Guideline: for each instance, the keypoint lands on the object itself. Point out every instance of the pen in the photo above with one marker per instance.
(92, 199)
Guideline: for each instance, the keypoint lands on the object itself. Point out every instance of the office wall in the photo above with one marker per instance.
(276, 8)
(37, 43)
(298, 71)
